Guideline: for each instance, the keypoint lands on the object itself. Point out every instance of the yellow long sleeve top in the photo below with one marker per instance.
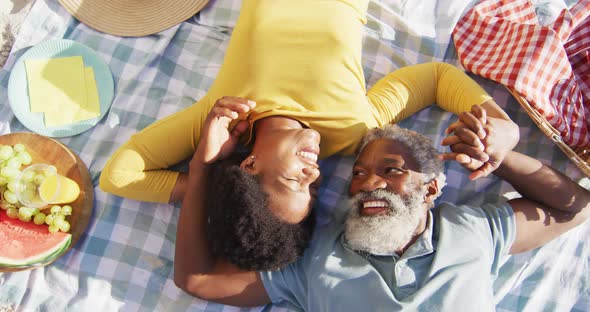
(300, 59)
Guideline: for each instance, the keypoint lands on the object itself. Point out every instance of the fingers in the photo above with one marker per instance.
(240, 128)
(452, 127)
(231, 107)
(473, 123)
(466, 136)
(480, 113)
(470, 151)
(235, 104)
(450, 140)
(474, 120)
(464, 160)
(458, 157)
(447, 156)
(482, 171)
(224, 112)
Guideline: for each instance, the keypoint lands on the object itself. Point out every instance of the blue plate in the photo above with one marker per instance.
(18, 90)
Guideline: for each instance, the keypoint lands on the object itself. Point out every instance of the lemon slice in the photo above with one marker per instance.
(56, 189)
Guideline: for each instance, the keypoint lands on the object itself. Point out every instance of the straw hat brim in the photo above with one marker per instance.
(132, 18)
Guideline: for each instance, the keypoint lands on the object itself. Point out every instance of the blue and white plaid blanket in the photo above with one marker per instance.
(125, 259)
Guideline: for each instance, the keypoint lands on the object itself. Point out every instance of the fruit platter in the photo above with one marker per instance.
(46, 200)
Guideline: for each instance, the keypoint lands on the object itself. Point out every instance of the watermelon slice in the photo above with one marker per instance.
(25, 243)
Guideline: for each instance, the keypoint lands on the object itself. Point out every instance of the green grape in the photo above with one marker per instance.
(53, 229)
(59, 222)
(66, 210)
(49, 219)
(39, 218)
(36, 211)
(25, 158)
(10, 197)
(28, 176)
(6, 152)
(55, 209)
(9, 173)
(24, 218)
(64, 226)
(12, 213)
(6, 205)
(58, 216)
(12, 186)
(3, 181)
(18, 147)
(25, 212)
(14, 162)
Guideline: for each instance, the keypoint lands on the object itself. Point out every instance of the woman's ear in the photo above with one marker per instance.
(431, 192)
(248, 164)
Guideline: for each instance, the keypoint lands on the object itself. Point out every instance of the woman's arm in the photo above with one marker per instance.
(139, 169)
(409, 89)
(196, 270)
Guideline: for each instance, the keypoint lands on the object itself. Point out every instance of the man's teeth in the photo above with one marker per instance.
(375, 204)
(309, 156)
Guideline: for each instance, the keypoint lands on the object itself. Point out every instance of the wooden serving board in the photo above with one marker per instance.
(47, 150)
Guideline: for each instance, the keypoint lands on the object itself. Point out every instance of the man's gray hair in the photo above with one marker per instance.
(420, 147)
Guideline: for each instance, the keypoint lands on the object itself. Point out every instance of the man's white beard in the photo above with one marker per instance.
(386, 233)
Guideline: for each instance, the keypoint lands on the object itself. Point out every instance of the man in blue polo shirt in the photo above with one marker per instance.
(395, 250)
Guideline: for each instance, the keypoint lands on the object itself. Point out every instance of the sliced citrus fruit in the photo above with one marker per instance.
(57, 189)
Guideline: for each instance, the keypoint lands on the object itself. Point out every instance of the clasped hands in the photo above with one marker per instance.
(480, 142)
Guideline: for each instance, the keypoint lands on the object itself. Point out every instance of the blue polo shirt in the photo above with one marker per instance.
(451, 267)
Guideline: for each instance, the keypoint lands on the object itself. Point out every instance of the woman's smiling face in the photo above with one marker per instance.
(285, 157)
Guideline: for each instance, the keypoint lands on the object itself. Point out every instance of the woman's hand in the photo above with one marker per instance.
(217, 141)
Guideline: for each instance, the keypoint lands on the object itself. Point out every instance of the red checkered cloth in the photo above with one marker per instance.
(548, 65)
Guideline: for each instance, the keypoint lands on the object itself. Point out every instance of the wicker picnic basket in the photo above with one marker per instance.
(579, 156)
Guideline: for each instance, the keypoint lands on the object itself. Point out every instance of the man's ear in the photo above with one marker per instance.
(248, 164)
(431, 192)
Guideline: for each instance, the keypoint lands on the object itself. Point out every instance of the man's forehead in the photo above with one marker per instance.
(387, 151)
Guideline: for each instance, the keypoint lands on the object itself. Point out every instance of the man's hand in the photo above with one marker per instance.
(480, 142)
(217, 141)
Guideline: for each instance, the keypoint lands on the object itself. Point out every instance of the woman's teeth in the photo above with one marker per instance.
(309, 156)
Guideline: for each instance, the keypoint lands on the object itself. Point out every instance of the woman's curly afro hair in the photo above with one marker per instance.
(242, 228)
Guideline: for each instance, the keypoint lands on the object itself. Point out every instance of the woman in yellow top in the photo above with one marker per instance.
(298, 64)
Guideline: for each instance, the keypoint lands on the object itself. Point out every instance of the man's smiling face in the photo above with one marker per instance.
(387, 199)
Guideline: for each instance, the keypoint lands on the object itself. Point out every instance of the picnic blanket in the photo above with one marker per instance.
(125, 259)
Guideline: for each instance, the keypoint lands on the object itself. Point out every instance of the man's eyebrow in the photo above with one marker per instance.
(391, 160)
(385, 160)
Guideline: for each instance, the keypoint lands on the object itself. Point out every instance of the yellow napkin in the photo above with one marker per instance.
(63, 89)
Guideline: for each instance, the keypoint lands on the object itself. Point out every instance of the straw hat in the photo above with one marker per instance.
(132, 18)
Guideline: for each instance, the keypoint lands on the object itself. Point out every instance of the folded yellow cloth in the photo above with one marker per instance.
(63, 89)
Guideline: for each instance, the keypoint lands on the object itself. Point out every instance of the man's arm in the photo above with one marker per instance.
(551, 204)
(196, 270)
